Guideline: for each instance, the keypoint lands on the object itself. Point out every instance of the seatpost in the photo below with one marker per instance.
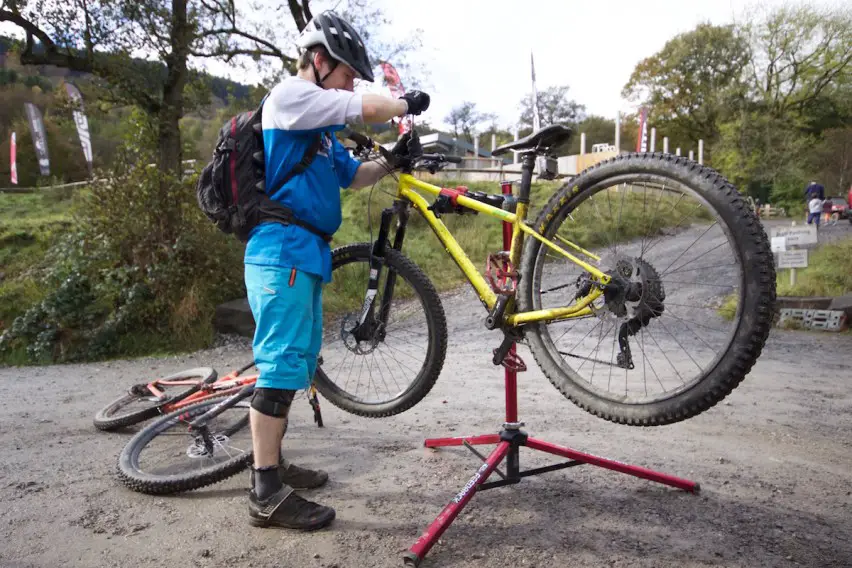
(527, 167)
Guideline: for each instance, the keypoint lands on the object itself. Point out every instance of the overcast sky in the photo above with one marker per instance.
(479, 50)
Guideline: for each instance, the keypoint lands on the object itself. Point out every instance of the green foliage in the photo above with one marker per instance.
(28, 224)
(143, 269)
(464, 119)
(829, 272)
(686, 83)
(554, 107)
(772, 98)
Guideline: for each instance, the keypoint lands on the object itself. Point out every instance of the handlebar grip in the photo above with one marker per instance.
(441, 158)
(360, 139)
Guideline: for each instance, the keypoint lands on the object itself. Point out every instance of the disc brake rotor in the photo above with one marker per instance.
(347, 334)
(199, 451)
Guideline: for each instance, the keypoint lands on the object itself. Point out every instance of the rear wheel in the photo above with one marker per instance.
(140, 403)
(691, 299)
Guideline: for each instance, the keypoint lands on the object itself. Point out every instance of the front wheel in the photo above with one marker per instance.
(690, 301)
(167, 456)
(388, 363)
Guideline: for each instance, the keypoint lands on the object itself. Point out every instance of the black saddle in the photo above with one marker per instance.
(546, 137)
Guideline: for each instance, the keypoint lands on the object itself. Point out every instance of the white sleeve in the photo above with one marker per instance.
(297, 104)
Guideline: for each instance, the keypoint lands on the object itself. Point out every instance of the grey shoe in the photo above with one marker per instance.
(297, 477)
(286, 509)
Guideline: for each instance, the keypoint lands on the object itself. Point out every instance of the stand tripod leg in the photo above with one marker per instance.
(633, 470)
(420, 548)
(460, 440)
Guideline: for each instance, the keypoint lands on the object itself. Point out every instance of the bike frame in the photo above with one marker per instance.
(408, 188)
(227, 385)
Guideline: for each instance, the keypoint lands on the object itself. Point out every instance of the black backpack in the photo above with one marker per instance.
(231, 190)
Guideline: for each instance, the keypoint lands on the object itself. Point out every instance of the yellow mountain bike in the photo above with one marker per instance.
(645, 287)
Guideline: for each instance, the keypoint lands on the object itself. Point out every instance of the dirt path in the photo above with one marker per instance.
(774, 462)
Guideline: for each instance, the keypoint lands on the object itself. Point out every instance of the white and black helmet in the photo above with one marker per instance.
(340, 39)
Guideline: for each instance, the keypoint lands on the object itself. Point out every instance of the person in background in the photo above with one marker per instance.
(814, 210)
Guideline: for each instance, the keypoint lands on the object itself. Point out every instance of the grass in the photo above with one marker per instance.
(28, 224)
(829, 272)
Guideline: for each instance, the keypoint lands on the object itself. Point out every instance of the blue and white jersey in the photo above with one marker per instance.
(294, 112)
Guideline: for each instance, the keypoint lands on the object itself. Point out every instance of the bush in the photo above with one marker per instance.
(141, 272)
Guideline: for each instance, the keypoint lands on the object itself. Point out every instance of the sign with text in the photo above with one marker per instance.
(797, 236)
(792, 259)
(779, 244)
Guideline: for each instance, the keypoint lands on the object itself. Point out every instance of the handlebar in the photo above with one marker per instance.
(365, 142)
(441, 158)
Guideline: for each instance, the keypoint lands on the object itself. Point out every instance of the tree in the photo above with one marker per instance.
(465, 118)
(101, 37)
(554, 107)
(799, 56)
(832, 161)
(688, 83)
(797, 86)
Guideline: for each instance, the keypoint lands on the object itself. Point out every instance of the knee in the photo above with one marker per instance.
(273, 402)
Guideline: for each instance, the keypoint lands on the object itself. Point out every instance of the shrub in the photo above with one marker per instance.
(141, 272)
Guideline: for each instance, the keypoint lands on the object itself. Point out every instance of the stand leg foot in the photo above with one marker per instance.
(431, 535)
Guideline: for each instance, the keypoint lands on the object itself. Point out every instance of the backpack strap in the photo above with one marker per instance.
(282, 214)
(307, 158)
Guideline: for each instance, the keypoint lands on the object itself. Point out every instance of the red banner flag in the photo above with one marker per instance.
(642, 137)
(394, 83)
(13, 151)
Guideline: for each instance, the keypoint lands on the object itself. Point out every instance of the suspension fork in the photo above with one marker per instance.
(366, 323)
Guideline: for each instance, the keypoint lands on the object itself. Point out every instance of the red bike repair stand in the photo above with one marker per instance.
(509, 441)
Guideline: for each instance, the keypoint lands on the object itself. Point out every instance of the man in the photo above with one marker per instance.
(286, 265)
(814, 190)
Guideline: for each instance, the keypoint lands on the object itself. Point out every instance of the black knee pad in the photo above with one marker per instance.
(273, 402)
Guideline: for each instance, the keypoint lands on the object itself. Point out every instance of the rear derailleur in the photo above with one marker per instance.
(633, 284)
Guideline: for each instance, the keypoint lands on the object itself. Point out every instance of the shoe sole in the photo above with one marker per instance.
(267, 524)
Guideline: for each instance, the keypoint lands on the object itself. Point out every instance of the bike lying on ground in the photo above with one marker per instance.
(645, 290)
(143, 401)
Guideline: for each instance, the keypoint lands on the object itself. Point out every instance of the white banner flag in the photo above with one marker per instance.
(81, 122)
(536, 118)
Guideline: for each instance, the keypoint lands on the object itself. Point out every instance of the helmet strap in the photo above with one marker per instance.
(319, 81)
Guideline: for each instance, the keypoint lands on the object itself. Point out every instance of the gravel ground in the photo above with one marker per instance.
(774, 462)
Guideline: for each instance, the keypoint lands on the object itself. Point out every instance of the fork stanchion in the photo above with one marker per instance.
(509, 441)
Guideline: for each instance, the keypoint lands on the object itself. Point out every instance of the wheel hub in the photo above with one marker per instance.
(202, 449)
(358, 338)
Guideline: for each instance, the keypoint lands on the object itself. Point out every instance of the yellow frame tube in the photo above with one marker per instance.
(407, 184)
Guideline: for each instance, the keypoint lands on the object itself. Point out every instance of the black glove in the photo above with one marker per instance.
(417, 101)
(406, 148)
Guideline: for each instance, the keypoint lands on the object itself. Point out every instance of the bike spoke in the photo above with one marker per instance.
(690, 254)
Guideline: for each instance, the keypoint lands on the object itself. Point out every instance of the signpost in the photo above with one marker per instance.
(797, 236)
(792, 258)
(784, 242)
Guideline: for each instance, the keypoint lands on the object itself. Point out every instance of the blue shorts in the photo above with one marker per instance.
(287, 309)
(813, 218)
